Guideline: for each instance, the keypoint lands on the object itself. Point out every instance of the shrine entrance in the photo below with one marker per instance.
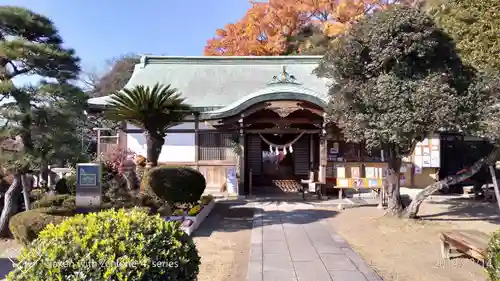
(281, 145)
(280, 141)
(281, 135)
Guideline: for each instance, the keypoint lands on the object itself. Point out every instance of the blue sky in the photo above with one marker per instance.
(100, 30)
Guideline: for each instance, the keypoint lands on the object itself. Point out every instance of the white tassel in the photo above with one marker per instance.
(277, 151)
(291, 149)
(271, 148)
(284, 150)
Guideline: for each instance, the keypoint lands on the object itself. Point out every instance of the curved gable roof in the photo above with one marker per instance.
(223, 81)
(275, 92)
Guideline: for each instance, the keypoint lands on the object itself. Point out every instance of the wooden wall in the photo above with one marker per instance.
(214, 171)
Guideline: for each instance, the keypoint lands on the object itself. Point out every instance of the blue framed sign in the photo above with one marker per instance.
(88, 175)
(88, 184)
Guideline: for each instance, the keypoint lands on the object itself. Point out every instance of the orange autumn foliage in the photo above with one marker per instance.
(266, 26)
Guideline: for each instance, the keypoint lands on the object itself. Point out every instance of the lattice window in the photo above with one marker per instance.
(216, 146)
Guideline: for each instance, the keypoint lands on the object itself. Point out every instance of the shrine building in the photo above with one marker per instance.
(265, 117)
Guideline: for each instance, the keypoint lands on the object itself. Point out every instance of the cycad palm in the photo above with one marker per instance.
(153, 109)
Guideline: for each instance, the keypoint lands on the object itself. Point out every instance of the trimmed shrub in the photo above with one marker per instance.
(177, 184)
(110, 245)
(71, 184)
(493, 265)
(37, 194)
(26, 226)
(60, 200)
(194, 211)
(178, 212)
(206, 199)
(62, 186)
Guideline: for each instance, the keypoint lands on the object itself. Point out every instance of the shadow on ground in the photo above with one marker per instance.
(6, 266)
(465, 209)
(236, 216)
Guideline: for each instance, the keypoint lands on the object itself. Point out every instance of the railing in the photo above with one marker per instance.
(107, 144)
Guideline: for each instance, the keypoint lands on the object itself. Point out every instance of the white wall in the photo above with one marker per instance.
(183, 126)
(178, 147)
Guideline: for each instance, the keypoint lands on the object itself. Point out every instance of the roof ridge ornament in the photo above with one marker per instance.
(284, 78)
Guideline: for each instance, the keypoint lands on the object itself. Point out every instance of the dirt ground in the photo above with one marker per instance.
(223, 242)
(403, 250)
(399, 250)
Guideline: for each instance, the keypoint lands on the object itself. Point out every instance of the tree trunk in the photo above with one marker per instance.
(495, 184)
(10, 205)
(412, 210)
(154, 144)
(394, 202)
(44, 172)
(25, 183)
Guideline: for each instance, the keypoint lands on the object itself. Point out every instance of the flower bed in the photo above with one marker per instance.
(192, 217)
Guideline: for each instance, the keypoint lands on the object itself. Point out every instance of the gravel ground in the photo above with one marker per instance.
(223, 241)
(409, 250)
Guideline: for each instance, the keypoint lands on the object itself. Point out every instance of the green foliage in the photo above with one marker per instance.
(61, 187)
(17, 161)
(154, 109)
(26, 226)
(32, 44)
(493, 263)
(475, 27)
(60, 200)
(177, 184)
(110, 245)
(398, 79)
(43, 115)
(206, 199)
(37, 194)
(195, 210)
(178, 212)
(71, 184)
(489, 125)
(310, 40)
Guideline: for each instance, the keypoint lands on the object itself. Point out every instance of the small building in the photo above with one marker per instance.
(264, 117)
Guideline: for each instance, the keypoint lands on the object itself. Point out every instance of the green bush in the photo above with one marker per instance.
(110, 245)
(206, 199)
(71, 184)
(60, 200)
(62, 186)
(177, 184)
(26, 226)
(37, 194)
(194, 211)
(493, 265)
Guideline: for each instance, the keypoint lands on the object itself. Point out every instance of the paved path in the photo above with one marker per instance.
(291, 243)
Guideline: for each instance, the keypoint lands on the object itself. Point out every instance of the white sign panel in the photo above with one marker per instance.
(231, 180)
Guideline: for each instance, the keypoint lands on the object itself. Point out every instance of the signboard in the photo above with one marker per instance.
(231, 180)
(88, 184)
(427, 153)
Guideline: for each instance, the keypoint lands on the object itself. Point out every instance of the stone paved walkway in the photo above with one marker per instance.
(291, 243)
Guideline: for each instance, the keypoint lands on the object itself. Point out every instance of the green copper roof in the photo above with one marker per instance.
(274, 92)
(229, 82)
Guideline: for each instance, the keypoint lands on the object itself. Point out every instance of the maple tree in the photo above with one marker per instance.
(267, 27)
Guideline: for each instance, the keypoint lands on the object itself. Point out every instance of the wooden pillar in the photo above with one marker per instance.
(197, 140)
(241, 158)
(311, 151)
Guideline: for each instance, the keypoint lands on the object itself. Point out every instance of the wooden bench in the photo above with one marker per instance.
(472, 243)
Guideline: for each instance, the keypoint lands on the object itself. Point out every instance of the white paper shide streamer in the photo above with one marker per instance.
(276, 147)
